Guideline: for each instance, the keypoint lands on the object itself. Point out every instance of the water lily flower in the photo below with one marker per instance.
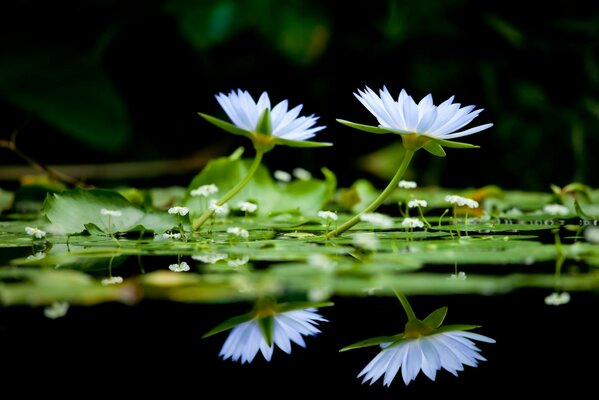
(181, 267)
(417, 203)
(557, 299)
(424, 345)
(205, 190)
(177, 210)
(461, 201)
(35, 232)
(302, 174)
(218, 209)
(57, 309)
(412, 223)
(407, 184)
(556, 209)
(267, 326)
(237, 231)
(378, 219)
(421, 125)
(111, 213)
(247, 206)
(328, 215)
(282, 176)
(113, 280)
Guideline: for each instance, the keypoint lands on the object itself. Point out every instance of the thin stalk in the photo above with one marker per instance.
(406, 306)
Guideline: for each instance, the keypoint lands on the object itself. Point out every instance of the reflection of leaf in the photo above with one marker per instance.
(229, 324)
(370, 342)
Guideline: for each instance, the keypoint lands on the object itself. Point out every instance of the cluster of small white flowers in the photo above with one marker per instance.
(407, 184)
(210, 258)
(205, 190)
(111, 213)
(247, 206)
(412, 223)
(591, 234)
(302, 174)
(417, 203)
(366, 240)
(381, 220)
(218, 210)
(461, 276)
(35, 232)
(282, 176)
(238, 262)
(327, 215)
(182, 211)
(113, 280)
(57, 309)
(557, 299)
(556, 209)
(461, 201)
(171, 235)
(237, 231)
(181, 267)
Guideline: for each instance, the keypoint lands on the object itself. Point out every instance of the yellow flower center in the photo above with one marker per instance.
(414, 141)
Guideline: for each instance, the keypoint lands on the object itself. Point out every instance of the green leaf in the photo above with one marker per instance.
(301, 143)
(455, 145)
(286, 307)
(451, 328)
(365, 128)
(435, 319)
(224, 125)
(267, 327)
(434, 148)
(264, 126)
(370, 342)
(229, 324)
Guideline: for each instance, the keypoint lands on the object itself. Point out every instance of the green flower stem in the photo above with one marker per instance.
(208, 213)
(406, 306)
(380, 199)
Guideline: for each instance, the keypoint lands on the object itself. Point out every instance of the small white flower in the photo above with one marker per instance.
(237, 231)
(111, 213)
(321, 261)
(591, 234)
(247, 206)
(58, 309)
(282, 176)
(35, 232)
(461, 201)
(412, 223)
(218, 210)
(557, 299)
(238, 262)
(381, 220)
(210, 258)
(171, 235)
(328, 215)
(205, 190)
(182, 267)
(449, 350)
(113, 280)
(461, 276)
(246, 339)
(366, 240)
(407, 184)
(417, 203)
(182, 211)
(513, 213)
(37, 256)
(556, 209)
(302, 174)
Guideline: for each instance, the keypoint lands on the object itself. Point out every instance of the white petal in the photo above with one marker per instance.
(395, 363)
(412, 362)
(474, 336)
(410, 114)
(467, 131)
(448, 360)
(263, 103)
(431, 362)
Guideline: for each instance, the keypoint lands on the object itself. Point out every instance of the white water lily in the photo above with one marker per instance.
(378, 219)
(57, 309)
(111, 213)
(181, 267)
(461, 201)
(417, 203)
(246, 339)
(182, 211)
(35, 232)
(205, 190)
(412, 223)
(407, 184)
(113, 280)
(556, 209)
(247, 206)
(448, 350)
(237, 231)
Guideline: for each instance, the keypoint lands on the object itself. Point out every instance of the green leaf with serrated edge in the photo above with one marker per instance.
(435, 149)
(224, 125)
(435, 319)
(451, 328)
(264, 126)
(369, 342)
(301, 143)
(229, 324)
(362, 127)
(301, 305)
(455, 145)
(267, 327)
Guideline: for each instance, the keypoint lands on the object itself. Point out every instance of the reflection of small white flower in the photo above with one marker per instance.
(557, 299)
(182, 211)
(412, 223)
(302, 174)
(449, 350)
(381, 220)
(513, 213)
(171, 235)
(407, 184)
(282, 176)
(113, 280)
(591, 234)
(210, 258)
(556, 209)
(366, 240)
(37, 256)
(205, 190)
(461, 276)
(417, 203)
(237, 231)
(35, 232)
(327, 215)
(461, 201)
(111, 213)
(246, 339)
(247, 206)
(182, 267)
(58, 309)
(238, 262)
(218, 210)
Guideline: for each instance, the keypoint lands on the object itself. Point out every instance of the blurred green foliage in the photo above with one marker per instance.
(124, 80)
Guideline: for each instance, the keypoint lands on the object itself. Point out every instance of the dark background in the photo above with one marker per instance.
(106, 81)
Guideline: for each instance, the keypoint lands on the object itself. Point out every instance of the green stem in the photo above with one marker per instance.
(208, 213)
(406, 305)
(380, 199)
